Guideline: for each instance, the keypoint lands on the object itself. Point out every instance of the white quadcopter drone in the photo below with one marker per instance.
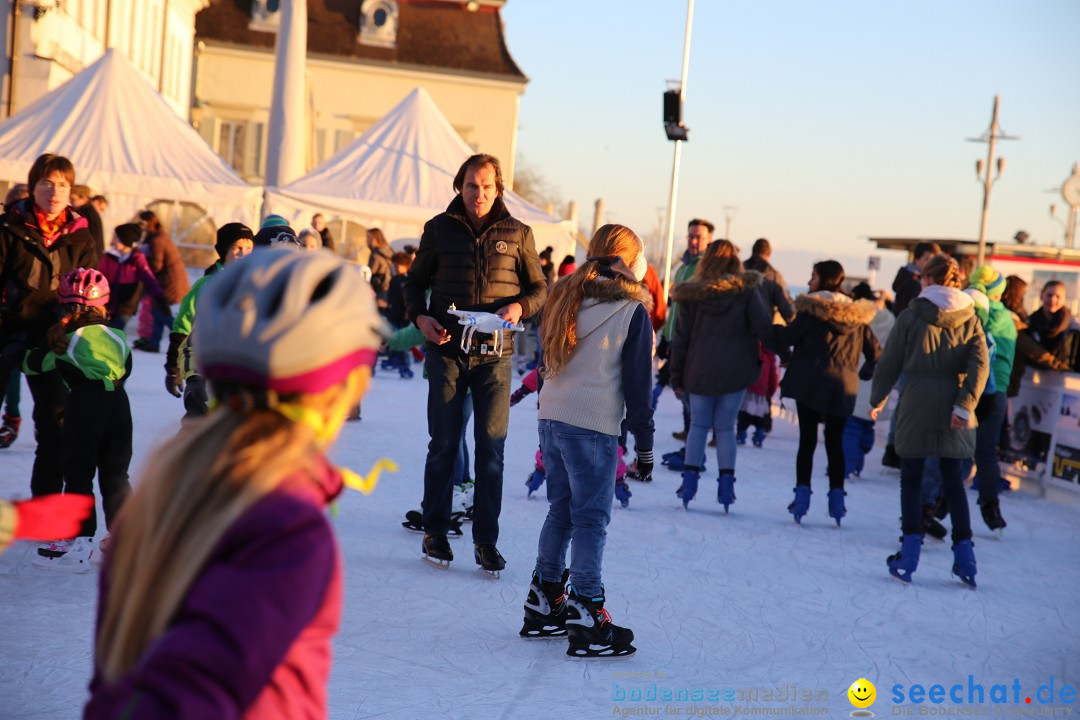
(483, 322)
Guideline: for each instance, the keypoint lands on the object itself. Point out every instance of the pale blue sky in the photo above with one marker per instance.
(823, 122)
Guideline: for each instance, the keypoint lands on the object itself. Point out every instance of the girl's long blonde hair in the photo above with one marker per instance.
(558, 331)
(194, 488)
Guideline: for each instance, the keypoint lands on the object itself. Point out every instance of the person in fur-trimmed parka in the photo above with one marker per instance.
(714, 358)
(829, 335)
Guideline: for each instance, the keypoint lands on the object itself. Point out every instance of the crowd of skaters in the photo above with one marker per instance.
(256, 464)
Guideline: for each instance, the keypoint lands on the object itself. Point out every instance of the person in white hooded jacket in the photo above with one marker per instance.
(859, 428)
(939, 344)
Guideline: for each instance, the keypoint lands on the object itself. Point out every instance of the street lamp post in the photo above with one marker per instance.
(983, 172)
(674, 134)
(729, 217)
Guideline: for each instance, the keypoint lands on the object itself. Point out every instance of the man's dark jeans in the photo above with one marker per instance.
(449, 378)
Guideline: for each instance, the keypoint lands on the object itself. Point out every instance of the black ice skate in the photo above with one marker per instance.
(437, 551)
(414, 522)
(488, 558)
(545, 608)
(591, 632)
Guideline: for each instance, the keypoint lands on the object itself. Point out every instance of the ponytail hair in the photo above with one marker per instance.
(558, 331)
(943, 270)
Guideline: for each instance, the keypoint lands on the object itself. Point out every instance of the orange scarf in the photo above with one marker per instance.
(50, 229)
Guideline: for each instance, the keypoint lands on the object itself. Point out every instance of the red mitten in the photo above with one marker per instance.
(51, 517)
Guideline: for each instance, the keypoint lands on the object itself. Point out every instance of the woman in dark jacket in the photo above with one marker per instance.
(379, 262)
(829, 334)
(1052, 325)
(41, 238)
(164, 260)
(714, 358)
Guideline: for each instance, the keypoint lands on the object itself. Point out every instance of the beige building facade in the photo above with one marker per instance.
(49, 41)
(361, 62)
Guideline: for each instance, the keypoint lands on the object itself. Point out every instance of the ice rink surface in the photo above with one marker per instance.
(743, 609)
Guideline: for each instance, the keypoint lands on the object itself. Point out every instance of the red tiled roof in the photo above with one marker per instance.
(431, 33)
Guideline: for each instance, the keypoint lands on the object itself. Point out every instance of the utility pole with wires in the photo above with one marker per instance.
(983, 172)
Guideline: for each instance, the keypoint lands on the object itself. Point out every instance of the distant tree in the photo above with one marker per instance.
(531, 184)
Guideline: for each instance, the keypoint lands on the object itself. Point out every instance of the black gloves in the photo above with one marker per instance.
(644, 465)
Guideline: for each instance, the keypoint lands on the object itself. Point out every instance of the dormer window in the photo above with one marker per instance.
(265, 15)
(378, 23)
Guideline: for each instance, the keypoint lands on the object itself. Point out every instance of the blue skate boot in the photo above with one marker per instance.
(801, 504)
(964, 562)
(725, 491)
(905, 562)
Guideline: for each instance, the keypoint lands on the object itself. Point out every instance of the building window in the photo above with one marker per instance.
(378, 23)
(265, 15)
(232, 136)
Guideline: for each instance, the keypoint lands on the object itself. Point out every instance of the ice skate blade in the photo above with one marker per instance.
(493, 574)
(605, 652)
(436, 562)
(555, 634)
(969, 583)
(900, 577)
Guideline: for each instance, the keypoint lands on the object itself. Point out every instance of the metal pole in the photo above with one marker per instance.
(988, 182)
(1070, 232)
(678, 151)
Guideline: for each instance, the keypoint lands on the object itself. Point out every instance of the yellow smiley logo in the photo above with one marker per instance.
(862, 693)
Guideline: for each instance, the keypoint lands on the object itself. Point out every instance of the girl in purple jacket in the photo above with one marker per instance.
(128, 273)
(221, 589)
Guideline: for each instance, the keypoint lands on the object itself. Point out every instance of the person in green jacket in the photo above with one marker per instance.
(699, 233)
(993, 406)
(940, 347)
(94, 360)
(234, 241)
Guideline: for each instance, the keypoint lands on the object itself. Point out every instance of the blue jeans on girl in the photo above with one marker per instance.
(580, 468)
(718, 412)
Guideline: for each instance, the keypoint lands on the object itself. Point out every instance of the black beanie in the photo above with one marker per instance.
(129, 234)
(273, 234)
(229, 233)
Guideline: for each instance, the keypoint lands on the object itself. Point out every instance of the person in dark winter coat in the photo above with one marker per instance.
(714, 358)
(1053, 327)
(831, 335)
(1029, 353)
(164, 259)
(379, 262)
(318, 222)
(907, 284)
(940, 346)
(773, 289)
(41, 238)
(80, 200)
(474, 256)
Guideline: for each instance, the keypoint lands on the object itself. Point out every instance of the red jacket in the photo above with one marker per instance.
(252, 637)
(769, 379)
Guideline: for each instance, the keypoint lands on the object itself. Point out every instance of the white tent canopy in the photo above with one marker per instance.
(397, 176)
(127, 143)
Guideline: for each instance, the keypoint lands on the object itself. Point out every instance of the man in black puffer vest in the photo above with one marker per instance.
(477, 257)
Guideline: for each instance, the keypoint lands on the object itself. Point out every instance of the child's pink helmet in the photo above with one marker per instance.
(84, 287)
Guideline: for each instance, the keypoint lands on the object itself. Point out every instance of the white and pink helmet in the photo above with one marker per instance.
(285, 321)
